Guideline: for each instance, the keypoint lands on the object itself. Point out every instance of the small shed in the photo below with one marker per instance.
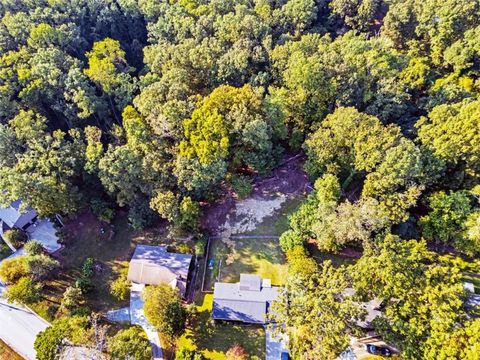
(154, 265)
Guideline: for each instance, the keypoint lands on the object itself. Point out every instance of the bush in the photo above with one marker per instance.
(11, 270)
(87, 267)
(184, 353)
(25, 291)
(41, 266)
(140, 216)
(102, 210)
(121, 286)
(131, 343)
(200, 246)
(84, 284)
(242, 186)
(16, 237)
(289, 239)
(33, 248)
(72, 298)
(236, 352)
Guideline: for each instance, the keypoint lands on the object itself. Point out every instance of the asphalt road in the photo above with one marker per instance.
(19, 327)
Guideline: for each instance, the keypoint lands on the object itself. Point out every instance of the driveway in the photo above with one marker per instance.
(45, 233)
(275, 345)
(137, 316)
(19, 327)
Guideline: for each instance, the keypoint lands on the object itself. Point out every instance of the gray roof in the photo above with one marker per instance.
(15, 216)
(154, 265)
(237, 303)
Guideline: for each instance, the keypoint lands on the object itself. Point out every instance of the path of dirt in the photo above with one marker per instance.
(230, 216)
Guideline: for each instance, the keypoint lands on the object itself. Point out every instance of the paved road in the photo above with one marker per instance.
(19, 327)
(137, 316)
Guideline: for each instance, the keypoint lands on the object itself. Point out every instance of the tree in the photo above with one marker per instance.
(349, 141)
(451, 132)
(72, 298)
(108, 68)
(75, 329)
(16, 237)
(33, 248)
(24, 291)
(164, 310)
(445, 222)
(41, 266)
(131, 343)
(303, 298)
(11, 270)
(422, 300)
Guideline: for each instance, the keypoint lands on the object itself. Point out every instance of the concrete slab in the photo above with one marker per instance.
(45, 233)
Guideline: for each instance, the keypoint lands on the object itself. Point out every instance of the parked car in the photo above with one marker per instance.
(378, 350)
(285, 356)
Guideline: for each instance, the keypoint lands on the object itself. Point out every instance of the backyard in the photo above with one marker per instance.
(215, 339)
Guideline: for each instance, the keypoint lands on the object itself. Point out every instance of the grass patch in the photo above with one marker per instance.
(214, 339)
(6, 353)
(252, 256)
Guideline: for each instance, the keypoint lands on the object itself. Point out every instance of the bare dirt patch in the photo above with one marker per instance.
(286, 181)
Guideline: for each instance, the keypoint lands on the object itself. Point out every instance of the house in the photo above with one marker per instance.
(247, 301)
(14, 216)
(154, 265)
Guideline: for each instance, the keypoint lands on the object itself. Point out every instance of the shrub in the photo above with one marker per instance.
(33, 248)
(87, 267)
(11, 270)
(102, 210)
(200, 246)
(16, 237)
(41, 266)
(131, 343)
(290, 239)
(184, 353)
(25, 291)
(236, 352)
(121, 286)
(84, 284)
(242, 186)
(72, 298)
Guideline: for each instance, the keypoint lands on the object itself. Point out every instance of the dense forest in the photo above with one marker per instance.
(160, 107)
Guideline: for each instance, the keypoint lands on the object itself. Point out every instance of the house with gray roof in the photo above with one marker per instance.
(154, 265)
(14, 216)
(247, 301)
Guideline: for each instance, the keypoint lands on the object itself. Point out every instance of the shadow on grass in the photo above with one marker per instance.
(214, 339)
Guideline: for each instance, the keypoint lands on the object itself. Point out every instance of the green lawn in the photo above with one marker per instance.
(8, 354)
(214, 339)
